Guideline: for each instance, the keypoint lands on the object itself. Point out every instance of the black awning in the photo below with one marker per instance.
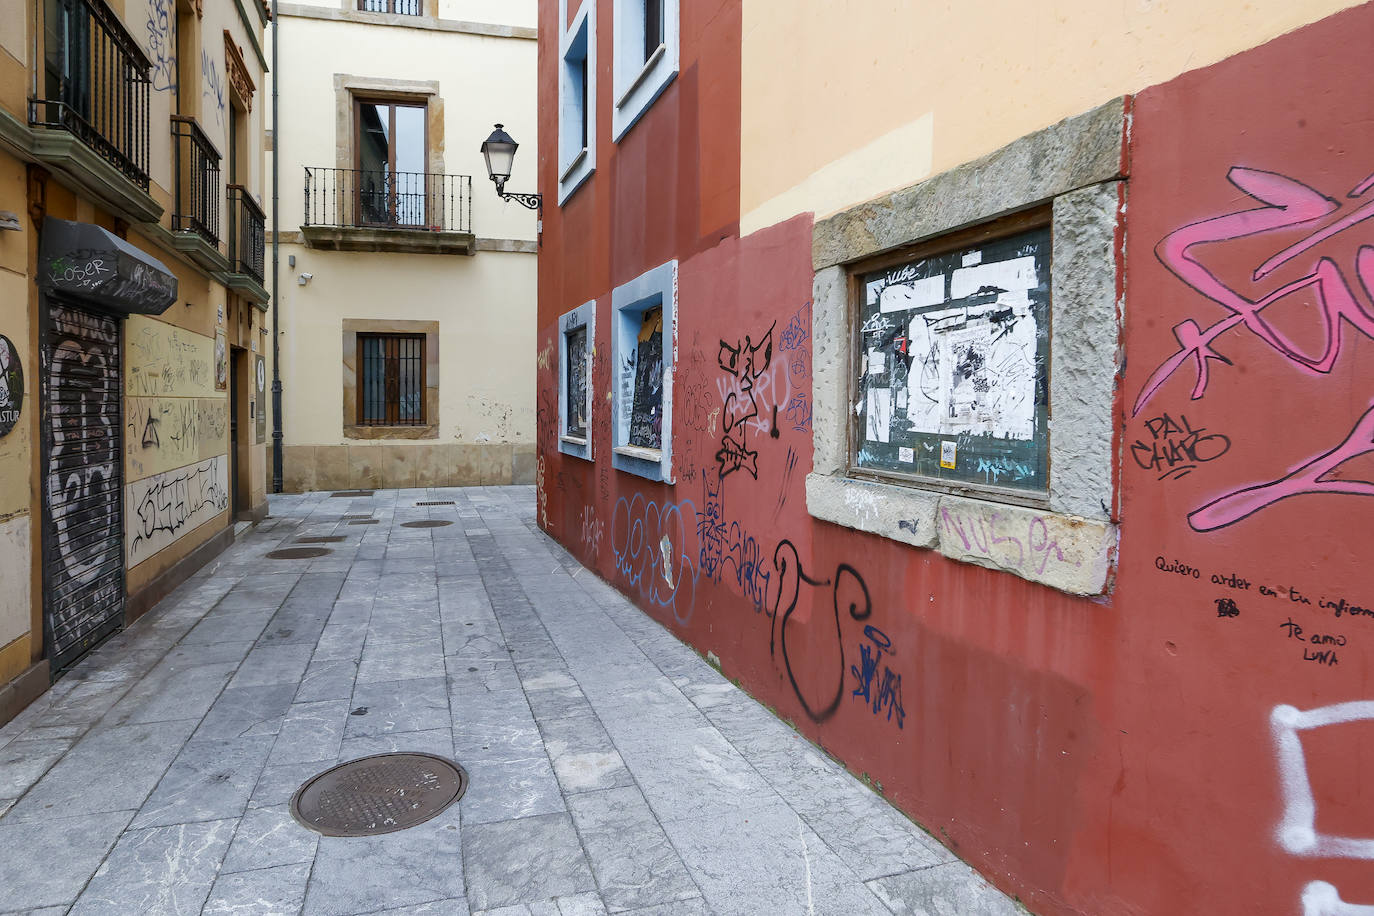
(82, 260)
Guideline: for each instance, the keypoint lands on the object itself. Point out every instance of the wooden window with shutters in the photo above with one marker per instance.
(391, 380)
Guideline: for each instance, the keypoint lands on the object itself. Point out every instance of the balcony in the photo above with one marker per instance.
(246, 239)
(195, 186)
(94, 86)
(415, 212)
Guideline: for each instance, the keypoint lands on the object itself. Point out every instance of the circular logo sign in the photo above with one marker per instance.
(11, 386)
(262, 375)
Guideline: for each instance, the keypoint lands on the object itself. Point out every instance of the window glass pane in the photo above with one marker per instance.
(646, 416)
(410, 139)
(373, 380)
(576, 382)
(374, 149)
(411, 408)
(953, 366)
(653, 27)
(374, 156)
(582, 91)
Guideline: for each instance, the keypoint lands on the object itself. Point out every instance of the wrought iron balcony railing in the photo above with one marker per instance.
(95, 84)
(196, 180)
(245, 233)
(351, 198)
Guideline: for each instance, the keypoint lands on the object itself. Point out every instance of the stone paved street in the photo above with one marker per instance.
(612, 770)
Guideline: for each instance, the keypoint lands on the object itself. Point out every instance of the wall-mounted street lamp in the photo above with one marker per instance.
(499, 150)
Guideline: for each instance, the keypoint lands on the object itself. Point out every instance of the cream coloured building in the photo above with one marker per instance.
(407, 285)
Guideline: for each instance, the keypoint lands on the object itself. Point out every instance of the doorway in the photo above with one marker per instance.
(83, 518)
(240, 432)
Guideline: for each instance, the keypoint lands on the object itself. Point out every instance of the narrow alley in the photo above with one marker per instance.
(612, 770)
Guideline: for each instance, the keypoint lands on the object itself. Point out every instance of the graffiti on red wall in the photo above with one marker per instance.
(881, 692)
(747, 366)
(1285, 203)
(820, 687)
(1173, 448)
(649, 543)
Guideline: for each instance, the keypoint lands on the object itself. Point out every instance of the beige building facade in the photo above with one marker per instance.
(133, 318)
(407, 285)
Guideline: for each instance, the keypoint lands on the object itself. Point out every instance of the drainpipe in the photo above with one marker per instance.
(276, 266)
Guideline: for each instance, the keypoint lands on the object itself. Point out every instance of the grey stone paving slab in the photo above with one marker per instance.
(506, 787)
(457, 906)
(328, 679)
(268, 837)
(278, 891)
(800, 875)
(124, 762)
(584, 759)
(242, 712)
(634, 862)
(311, 731)
(480, 675)
(682, 773)
(953, 889)
(278, 783)
(381, 707)
(388, 661)
(272, 665)
(497, 860)
(169, 693)
(437, 741)
(80, 843)
(209, 780)
(226, 651)
(242, 626)
(695, 907)
(158, 870)
(419, 865)
(23, 763)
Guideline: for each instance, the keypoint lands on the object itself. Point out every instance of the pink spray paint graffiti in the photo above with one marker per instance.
(1286, 203)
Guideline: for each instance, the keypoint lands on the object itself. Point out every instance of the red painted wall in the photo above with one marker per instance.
(1115, 755)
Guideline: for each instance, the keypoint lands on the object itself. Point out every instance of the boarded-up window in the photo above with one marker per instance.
(646, 413)
(951, 370)
(576, 382)
(391, 379)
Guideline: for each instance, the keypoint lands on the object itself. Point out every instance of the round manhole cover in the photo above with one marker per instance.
(379, 794)
(427, 523)
(298, 553)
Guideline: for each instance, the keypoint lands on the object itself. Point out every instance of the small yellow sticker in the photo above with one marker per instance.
(947, 453)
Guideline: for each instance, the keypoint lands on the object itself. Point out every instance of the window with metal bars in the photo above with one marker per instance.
(401, 7)
(391, 379)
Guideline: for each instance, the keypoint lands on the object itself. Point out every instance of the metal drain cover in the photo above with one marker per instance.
(321, 539)
(427, 523)
(351, 493)
(379, 794)
(364, 521)
(437, 502)
(349, 518)
(298, 553)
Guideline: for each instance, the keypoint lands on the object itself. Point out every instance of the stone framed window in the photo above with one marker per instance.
(1055, 197)
(646, 58)
(576, 345)
(949, 377)
(643, 325)
(576, 100)
(390, 379)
